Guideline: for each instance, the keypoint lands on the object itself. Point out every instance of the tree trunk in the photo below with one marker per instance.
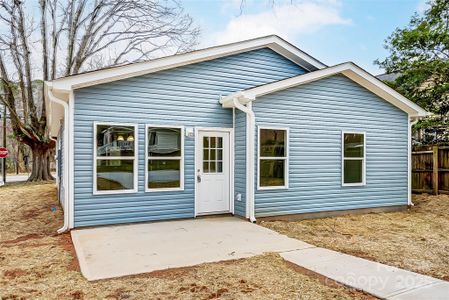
(41, 163)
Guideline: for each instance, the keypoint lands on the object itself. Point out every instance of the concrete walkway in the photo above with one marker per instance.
(374, 278)
(113, 251)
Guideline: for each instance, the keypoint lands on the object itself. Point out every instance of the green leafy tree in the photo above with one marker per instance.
(419, 54)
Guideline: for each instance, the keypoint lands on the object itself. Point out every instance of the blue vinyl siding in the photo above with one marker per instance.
(185, 96)
(240, 162)
(316, 114)
(61, 166)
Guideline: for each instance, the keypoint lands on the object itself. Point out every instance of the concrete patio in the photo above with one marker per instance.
(115, 251)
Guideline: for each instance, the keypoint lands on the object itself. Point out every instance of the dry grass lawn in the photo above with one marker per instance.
(36, 263)
(416, 239)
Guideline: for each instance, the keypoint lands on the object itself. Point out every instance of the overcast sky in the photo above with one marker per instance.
(333, 31)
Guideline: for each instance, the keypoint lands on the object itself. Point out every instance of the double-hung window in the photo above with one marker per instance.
(353, 158)
(115, 158)
(164, 170)
(273, 158)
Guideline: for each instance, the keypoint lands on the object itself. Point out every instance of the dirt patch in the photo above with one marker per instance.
(23, 238)
(14, 273)
(416, 239)
(65, 241)
(35, 263)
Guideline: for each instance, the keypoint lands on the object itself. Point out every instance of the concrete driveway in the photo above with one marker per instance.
(114, 251)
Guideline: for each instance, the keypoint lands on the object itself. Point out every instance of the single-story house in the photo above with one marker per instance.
(256, 128)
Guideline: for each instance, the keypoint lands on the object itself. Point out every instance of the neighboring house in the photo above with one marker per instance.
(256, 128)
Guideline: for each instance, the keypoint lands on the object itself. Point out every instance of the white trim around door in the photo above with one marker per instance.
(198, 166)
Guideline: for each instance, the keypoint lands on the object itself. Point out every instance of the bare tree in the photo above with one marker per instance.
(73, 36)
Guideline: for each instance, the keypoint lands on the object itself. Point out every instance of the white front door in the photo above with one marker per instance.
(213, 172)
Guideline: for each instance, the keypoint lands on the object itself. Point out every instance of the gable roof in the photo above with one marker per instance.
(348, 69)
(273, 42)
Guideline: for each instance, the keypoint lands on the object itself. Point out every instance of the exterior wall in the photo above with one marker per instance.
(186, 96)
(60, 165)
(240, 163)
(316, 114)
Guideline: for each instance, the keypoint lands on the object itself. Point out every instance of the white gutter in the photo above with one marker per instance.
(250, 129)
(64, 104)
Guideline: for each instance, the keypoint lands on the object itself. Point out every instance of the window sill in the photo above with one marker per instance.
(353, 184)
(114, 192)
(271, 188)
(147, 190)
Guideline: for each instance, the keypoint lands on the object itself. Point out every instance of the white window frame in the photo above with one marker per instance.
(135, 158)
(286, 158)
(180, 158)
(343, 158)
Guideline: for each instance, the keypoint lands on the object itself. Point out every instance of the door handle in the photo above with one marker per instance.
(198, 178)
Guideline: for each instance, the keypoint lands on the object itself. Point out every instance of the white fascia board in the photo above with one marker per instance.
(349, 70)
(137, 69)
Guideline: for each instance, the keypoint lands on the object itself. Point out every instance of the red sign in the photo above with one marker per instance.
(3, 152)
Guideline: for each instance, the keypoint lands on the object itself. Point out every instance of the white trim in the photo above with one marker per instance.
(66, 181)
(343, 158)
(135, 159)
(231, 165)
(180, 158)
(250, 136)
(286, 158)
(273, 42)
(349, 69)
(409, 160)
(71, 168)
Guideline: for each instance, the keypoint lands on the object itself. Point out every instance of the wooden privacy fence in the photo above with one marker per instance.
(430, 170)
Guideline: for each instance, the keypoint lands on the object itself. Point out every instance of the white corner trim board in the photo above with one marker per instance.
(348, 69)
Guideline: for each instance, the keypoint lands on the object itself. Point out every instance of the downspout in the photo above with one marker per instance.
(411, 123)
(56, 159)
(64, 104)
(250, 129)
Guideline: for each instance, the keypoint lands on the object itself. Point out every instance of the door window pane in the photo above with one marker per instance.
(164, 141)
(206, 167)
(164, 173)
(115, 174)
(353, 145)
(212, 154)
(212, 167)
(272, 143)
(115, 140)
(272, 172)
(353, 171)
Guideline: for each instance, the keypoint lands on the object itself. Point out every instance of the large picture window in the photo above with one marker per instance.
(115, 158)
(353, 158)
(164, 158)
(273, 158)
